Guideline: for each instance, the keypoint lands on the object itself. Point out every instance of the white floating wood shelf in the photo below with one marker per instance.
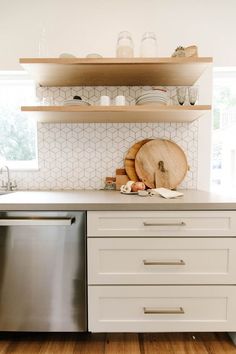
(115, 114)
(115, 71)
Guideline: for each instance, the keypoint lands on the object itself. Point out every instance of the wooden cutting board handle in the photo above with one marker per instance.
(162, 176)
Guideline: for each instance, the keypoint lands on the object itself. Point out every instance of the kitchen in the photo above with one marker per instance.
(76, 157)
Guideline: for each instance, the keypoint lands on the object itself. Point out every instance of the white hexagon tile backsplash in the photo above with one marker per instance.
(80, 156)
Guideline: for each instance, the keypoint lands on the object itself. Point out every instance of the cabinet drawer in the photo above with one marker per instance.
(161, 308)
(162, 261)
(161, 223)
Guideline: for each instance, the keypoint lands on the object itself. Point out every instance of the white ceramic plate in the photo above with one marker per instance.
(152, 103)
(159, 94)
(152, 99)
(154, 94)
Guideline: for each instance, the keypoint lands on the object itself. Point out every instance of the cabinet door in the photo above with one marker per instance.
(162, 261)
(161, 223)
(161, 308)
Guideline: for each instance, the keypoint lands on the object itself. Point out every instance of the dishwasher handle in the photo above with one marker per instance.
(40, 221)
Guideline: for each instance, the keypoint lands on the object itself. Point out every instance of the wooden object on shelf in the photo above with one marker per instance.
(115, 71)
(161, 163)
(121, 178)
(191, 51)
(115, 114)
(129, 161)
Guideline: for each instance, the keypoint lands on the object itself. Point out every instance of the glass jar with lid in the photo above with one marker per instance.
(148, 45)
(125, 46)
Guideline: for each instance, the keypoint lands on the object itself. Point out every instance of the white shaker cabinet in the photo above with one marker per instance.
(161, 271)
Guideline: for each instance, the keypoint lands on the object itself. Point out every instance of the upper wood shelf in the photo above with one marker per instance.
(116, 114)
(115, 71)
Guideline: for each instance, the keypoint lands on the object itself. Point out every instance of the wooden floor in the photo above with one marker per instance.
(116, 343)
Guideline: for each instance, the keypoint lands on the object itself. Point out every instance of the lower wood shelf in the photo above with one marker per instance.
(116, 114)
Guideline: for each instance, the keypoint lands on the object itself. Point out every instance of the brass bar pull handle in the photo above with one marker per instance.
(152, 262)
(181, 223)
(163, 311)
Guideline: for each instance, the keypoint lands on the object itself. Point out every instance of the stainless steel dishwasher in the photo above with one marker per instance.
(42, 271)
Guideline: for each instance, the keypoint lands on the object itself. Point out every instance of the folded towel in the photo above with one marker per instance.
(166, 193)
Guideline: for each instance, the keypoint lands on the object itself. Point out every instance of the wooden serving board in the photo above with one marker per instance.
(161, 163)
(130, 159)
(121, 178)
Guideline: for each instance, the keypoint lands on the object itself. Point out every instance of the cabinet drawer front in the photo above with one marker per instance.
(161, 308)
(162, 261)
(161, 223)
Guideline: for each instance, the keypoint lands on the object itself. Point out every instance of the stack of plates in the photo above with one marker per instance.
(76, 102)
(157, 96)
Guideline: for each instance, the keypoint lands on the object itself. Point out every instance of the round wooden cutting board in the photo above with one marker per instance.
(161, 163)
(130, 159)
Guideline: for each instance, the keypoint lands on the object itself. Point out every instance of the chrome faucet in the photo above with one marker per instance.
(9, 185)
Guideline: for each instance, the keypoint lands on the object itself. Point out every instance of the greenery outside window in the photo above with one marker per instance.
(18, 133)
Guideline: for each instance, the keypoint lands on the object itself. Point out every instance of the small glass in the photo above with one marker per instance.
(148, 47)
(192, 94)
(181, 94)
(125, 46)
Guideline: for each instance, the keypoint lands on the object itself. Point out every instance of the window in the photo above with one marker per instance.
(224, 130)
(18, 135)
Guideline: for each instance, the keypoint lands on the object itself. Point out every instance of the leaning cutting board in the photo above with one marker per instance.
(161, 163)
(130, 159)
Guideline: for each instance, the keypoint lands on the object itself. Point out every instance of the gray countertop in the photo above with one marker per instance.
(112, 200)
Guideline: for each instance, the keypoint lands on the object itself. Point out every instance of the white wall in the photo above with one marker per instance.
(205, 132)
(83, 26)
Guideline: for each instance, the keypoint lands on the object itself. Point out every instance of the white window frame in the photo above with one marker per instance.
(23, 165)
(224, 73)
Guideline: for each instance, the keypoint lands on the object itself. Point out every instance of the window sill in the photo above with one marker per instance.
(16, 166)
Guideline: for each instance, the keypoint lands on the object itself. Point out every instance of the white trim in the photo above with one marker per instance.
(15, 75)
(228, 72)
(204, 133)
(31, 165)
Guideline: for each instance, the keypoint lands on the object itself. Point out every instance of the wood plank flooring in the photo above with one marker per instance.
(116, 343)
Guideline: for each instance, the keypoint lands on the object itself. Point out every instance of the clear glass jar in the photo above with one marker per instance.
(125, 46)
(148, 45)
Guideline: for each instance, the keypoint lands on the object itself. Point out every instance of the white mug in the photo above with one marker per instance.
(105, 101)
(120, 100)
